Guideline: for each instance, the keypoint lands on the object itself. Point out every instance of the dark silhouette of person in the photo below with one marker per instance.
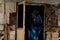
(35, 29)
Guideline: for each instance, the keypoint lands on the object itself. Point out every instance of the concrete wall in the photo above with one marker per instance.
(37, 1)
(53, 36)
(11, 7)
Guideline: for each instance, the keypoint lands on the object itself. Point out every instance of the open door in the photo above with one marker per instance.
(20, 30)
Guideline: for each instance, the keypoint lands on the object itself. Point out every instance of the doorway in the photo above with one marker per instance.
(29, 20)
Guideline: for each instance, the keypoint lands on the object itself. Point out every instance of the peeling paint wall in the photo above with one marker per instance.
(10, 7)
(37, 1)
(53, 36)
